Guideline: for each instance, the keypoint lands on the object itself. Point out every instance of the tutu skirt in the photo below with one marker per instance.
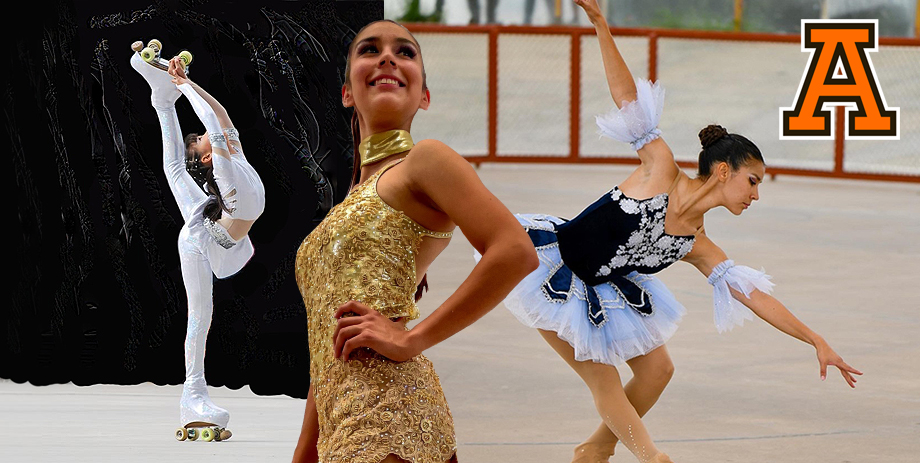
(625, 332)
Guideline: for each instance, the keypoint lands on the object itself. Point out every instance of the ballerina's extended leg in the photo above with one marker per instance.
(611, 402)
(651, 374)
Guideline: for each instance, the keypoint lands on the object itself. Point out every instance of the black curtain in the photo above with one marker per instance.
(97, 293)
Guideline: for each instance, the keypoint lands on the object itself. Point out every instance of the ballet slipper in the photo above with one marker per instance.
(592, 452)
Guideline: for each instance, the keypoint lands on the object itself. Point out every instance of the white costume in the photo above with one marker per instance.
(205, 247)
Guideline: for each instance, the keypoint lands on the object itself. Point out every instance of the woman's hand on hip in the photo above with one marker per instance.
(368, 328)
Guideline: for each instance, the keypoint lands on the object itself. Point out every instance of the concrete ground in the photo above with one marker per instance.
(844, 256)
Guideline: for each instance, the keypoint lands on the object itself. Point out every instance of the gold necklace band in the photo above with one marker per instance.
(380, 146)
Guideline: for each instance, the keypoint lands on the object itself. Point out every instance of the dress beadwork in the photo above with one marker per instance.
(369, 406)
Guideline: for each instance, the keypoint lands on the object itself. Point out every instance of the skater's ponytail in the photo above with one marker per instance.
(204, 177)
(721, 146)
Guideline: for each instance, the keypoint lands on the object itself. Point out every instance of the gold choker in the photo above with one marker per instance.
(380, 146)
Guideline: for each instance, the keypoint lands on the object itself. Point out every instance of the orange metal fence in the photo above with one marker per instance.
(653, 36)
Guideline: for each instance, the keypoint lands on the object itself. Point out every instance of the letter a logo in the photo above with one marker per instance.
(839, 73)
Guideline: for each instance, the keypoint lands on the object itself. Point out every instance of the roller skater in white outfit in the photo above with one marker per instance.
(220, 196)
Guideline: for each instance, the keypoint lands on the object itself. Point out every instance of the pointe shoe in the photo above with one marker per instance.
(196, 407)
(590, 452)
(163, 92)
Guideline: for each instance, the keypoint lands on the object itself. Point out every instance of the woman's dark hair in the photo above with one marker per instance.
(204, 177)
(721, 146)
(356, 126)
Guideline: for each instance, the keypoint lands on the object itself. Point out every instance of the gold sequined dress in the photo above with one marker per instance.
(370, 406)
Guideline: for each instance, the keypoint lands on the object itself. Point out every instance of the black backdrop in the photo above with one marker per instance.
(97, 293)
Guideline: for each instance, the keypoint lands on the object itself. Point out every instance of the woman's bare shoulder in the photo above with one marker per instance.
(434, 157)
(650, 179)
(435, 170)
(431, 147)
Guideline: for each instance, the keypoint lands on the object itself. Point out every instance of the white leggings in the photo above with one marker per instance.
(196, 271)
(187, 193)
(199, 286)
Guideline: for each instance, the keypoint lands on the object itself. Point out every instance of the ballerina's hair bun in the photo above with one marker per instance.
(711, 134)
(721, 146)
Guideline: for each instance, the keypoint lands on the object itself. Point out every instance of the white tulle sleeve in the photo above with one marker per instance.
(636, 122)
(729, 312)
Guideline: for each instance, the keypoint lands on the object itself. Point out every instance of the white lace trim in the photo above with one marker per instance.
(727, 311)
(636, 122)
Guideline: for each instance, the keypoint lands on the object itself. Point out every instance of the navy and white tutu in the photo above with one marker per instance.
(623, 333)
(602, 298)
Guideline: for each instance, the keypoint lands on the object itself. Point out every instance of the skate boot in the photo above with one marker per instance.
(163, 92)
(199, 416)
(589, 452)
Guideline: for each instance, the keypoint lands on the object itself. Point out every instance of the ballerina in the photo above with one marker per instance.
(593, 298)
(219, 196)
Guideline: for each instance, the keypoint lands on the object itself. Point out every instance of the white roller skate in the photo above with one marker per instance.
(199, 416)
(163, 91)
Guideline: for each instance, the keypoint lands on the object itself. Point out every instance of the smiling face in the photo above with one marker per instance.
(385, 81)
(740, 188)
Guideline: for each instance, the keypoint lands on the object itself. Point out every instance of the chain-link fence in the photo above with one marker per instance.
(457, 67)
(736, 80)
(897, 18)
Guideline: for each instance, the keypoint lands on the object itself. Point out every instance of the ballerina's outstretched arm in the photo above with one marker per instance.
(619, 79)
(751, 288)
(639, 103)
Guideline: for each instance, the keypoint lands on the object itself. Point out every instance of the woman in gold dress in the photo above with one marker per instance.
(373, 396)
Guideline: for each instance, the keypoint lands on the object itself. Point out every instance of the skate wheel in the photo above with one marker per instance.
(186, 57)
(148, 54)
(155, 44)
(181, 434)
(193, 434)
(207, 434)
(137, 46)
